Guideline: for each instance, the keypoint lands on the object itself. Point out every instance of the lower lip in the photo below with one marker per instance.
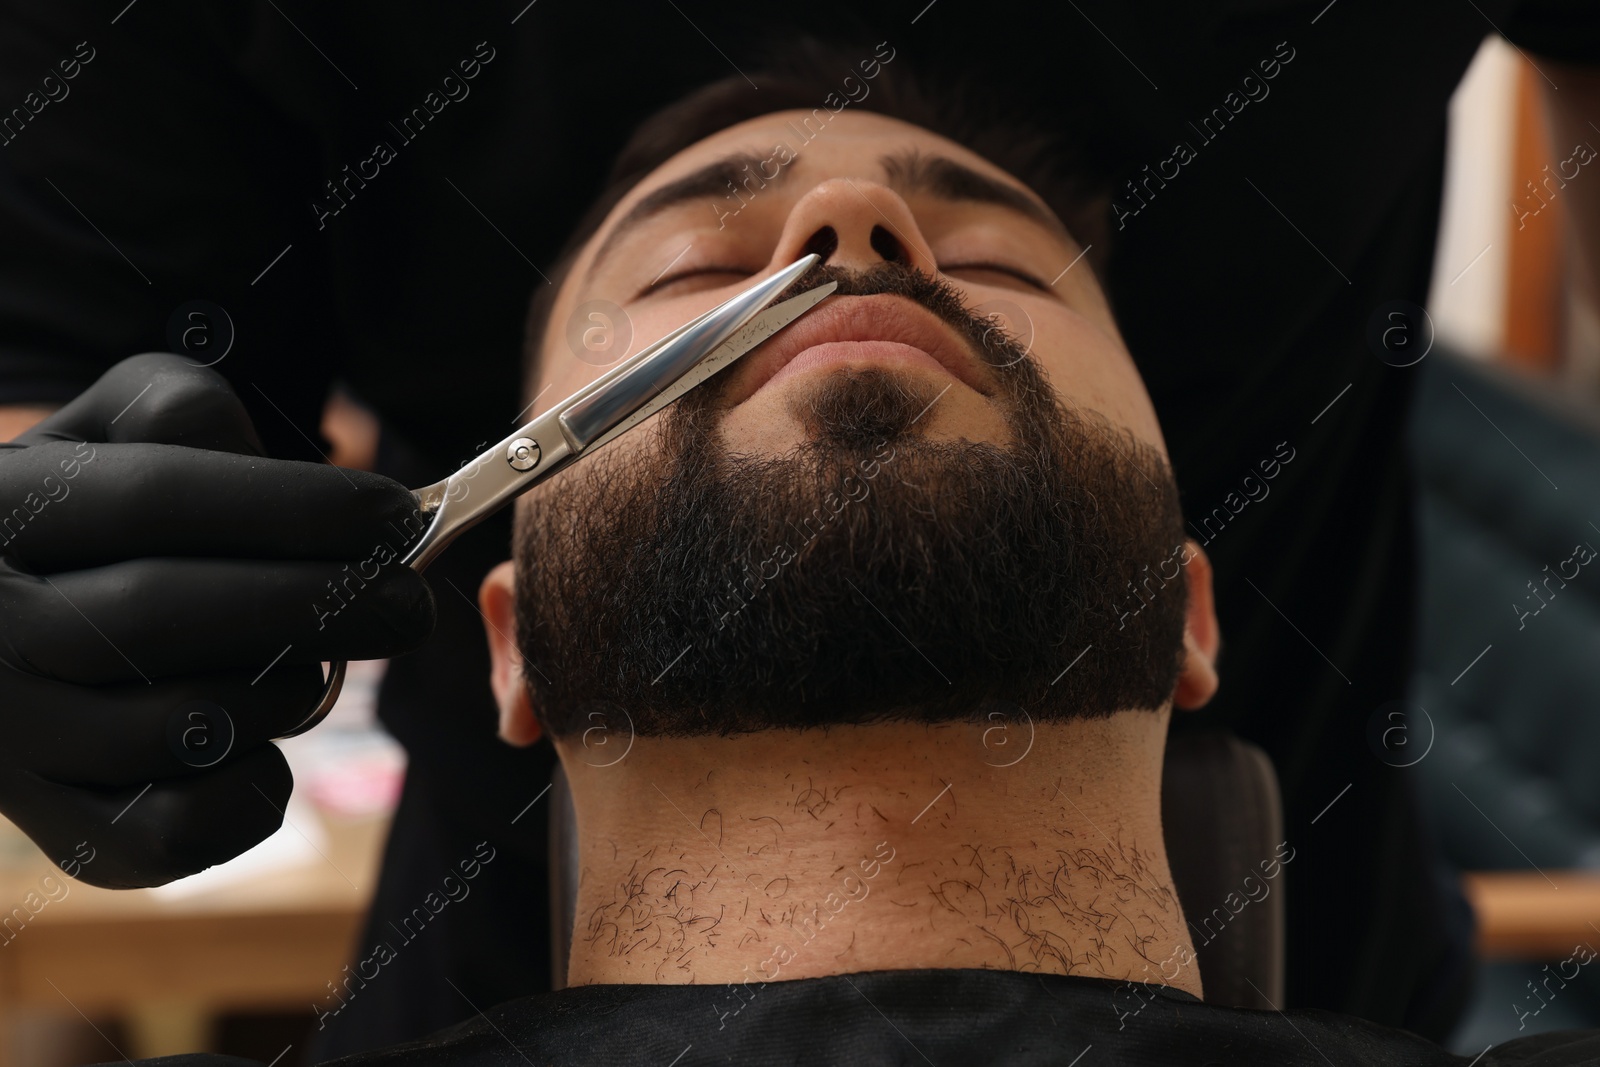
(837, 353)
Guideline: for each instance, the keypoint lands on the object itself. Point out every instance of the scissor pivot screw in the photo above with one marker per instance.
(523, 454)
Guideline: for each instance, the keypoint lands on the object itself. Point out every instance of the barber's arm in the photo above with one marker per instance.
(166, 592)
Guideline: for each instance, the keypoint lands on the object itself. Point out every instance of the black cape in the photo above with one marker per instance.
(915, 1018)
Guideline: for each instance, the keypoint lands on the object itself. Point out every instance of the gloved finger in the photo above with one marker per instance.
(65, 506)
(148, 619)
(148, 835)
(132, 733)
(154, 396)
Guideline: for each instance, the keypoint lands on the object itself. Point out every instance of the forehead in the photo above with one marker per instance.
(850, 144)
(849, 138)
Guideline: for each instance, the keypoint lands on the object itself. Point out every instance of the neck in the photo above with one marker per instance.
(890, 846)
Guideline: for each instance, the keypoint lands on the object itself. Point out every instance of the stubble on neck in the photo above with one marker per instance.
(796, 854)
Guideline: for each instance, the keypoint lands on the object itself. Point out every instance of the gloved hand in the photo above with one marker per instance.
(165, 603)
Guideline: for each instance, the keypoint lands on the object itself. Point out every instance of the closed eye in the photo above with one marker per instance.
(694, 272)
(742, 272)
(998, 268)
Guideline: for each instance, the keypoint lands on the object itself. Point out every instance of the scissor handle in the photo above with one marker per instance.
(337, 669)
(439, 533)
(430, 501)
(330, 695)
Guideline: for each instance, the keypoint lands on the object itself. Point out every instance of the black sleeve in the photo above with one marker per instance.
(1560, 29)
(142, 167)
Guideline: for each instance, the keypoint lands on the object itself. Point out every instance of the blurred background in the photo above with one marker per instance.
(1506, 443)
(1498, 734)
(1501, 733)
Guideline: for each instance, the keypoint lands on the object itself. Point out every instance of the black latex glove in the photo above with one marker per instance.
(153, 566)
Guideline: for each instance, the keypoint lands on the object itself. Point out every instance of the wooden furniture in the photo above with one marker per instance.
(1528, 915)
(1536, 276)
(168, 966)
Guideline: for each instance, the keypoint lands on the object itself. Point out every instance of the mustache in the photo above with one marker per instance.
(987, 338)
(853, 412)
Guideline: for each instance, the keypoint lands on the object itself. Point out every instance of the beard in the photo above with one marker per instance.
(869, 574)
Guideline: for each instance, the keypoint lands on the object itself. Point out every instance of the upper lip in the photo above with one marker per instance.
(879, 317)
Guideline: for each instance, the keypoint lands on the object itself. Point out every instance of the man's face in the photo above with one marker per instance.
(685, 259)
(893, 509)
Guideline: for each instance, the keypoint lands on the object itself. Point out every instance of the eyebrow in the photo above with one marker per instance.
(717, 178)
(908, 171)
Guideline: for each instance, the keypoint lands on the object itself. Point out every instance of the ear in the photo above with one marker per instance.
(497, 598)
(1202, 638)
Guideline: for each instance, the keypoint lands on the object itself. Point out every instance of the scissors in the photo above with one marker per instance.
(595, 415)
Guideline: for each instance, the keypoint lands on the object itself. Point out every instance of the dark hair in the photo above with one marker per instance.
(802, 76)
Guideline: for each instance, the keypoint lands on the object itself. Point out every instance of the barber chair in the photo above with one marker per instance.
(1222, 817)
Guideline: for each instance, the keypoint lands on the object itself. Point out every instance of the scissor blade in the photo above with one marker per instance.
(752, 334)
(598, 407)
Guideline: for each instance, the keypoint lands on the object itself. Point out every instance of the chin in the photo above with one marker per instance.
(855, 406)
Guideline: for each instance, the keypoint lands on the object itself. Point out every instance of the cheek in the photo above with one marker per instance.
(567, 363)
(1089, 368)
(560, 377)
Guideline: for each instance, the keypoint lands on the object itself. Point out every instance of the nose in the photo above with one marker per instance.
(855, 223)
